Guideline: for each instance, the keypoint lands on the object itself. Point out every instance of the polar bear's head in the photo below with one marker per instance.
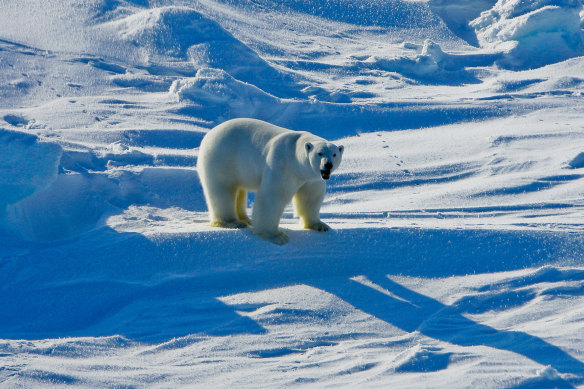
(324, 157)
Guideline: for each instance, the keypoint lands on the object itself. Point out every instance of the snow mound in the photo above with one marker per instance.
(423, 359)
(169, 30)
(48, 192)
(28, 165)
(458, 13)
(221, 97)
(199, 42)
(424, 65)
(432, 65)
(577, 162)
(75, 203)
(37, 202)
(70, 206)
(532, 33)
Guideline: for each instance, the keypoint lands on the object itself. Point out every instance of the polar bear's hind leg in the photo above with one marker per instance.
(221, 201)
(241, 204)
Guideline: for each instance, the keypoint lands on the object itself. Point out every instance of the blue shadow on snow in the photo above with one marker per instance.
(411, 311)
(153, 290)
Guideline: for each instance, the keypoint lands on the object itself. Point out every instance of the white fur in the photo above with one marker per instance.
(244, 155)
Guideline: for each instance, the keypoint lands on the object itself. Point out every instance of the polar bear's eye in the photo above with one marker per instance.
(334, 155)
(320, 154)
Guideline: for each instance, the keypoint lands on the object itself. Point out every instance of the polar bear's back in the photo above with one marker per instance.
(237, 149)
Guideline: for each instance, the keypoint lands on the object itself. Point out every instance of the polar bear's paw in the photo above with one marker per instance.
(246, 220)
(229, 224)
(319, 226)
(278, 237)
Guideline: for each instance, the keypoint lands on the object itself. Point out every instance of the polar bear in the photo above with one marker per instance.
(243, 155)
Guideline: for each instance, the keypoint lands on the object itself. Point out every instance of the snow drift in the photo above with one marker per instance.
(47, 193)
(196, 42)
(28, 166)
(532, 33)
(219, 96)
(37, 201)
(458, 13)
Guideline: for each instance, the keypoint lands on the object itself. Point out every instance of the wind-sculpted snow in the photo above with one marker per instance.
(28, 166)
(532, 33)
(218, 96)
(198, 42)
(455, 256)
(458, 13)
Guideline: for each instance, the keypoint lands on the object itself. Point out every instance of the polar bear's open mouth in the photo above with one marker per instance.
(325, 174)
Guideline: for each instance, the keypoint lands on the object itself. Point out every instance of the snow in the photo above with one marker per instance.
(543, 31)
(455, 258)
(28, 165)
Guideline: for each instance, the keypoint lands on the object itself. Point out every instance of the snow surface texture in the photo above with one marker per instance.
(456, 255)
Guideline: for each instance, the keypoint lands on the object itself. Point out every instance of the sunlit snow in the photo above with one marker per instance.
(455, 258)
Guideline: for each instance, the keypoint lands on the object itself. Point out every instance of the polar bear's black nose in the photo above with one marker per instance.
(328, 166)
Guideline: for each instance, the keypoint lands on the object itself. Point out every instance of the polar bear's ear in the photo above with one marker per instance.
(341, 149)
(308, 146)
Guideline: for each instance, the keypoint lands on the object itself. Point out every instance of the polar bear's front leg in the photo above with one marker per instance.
(307, 202)
(270, 201)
